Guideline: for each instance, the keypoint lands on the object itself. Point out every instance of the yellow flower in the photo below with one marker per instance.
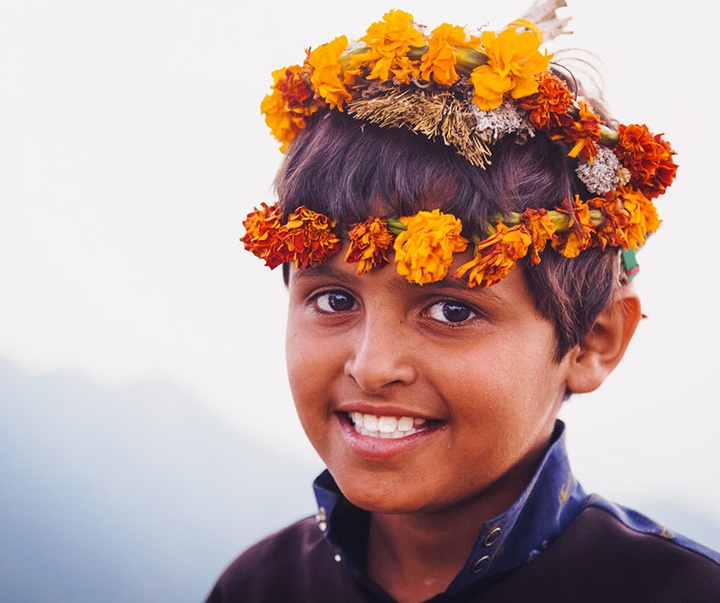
(643, 215)
(424, 251)
(326, 72)
(496, 255)
(540, 226)
(389, 42)
(514, 61)
(438, 63)
(581, 229)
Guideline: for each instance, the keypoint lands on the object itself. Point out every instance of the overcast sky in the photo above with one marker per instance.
(131, 148)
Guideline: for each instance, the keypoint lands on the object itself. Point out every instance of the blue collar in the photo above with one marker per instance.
(551, 500)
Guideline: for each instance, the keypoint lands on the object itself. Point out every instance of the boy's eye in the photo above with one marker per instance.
(335, 301)
(454, 312)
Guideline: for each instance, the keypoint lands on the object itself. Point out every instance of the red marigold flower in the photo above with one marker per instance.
(496, 255)
(582, 133)
(648, 157)
(370, 242)
(548, 107)
(616, 219)
(308, 237)
(262, 228)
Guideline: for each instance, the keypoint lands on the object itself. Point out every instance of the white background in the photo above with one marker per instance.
(131, 148)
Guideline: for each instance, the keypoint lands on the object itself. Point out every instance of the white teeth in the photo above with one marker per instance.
(387, 424)
(384, 426)
(405, 423)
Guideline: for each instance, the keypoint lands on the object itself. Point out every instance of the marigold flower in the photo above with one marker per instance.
(648, 157)
(326, 72)
(389, 41)
(496, 255)
(424, 250)
(438, 63)
(262, 226)
(582, 133)
(548, 107)
(289, 104)
(643, 218)
(541, 228)
(308, 238)
(612, 232)
(370, 242)
(580, 228)
(514, 61)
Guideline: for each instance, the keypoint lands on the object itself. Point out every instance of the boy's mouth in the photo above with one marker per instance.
(386, 427)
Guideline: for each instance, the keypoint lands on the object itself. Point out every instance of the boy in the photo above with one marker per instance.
(457, 228)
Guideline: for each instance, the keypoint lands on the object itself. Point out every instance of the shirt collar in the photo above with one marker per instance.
(550, 501)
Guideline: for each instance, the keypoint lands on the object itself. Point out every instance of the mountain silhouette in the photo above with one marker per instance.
(134, 493)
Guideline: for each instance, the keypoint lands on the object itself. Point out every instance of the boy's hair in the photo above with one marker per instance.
(347, 170)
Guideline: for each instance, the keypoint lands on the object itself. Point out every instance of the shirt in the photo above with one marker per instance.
(555, 543)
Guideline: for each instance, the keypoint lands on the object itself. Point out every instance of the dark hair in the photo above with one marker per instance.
(349, 170)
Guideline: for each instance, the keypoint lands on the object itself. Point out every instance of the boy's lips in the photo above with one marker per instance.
(382, 436)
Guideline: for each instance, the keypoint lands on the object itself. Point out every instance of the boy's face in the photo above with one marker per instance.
(463, 381)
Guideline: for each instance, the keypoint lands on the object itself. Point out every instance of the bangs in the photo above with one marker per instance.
(350, 170)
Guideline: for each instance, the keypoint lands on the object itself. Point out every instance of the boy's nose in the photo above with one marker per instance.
(381, 356)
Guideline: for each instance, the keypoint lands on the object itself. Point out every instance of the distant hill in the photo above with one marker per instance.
(135, 494)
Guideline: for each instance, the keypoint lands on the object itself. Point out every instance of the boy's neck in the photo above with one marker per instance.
(415, 556)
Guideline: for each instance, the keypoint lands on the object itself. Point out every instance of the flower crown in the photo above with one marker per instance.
(468, 91)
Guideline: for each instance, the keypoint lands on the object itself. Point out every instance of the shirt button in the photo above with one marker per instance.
(492, 537)
(321, 518)
(481, 564)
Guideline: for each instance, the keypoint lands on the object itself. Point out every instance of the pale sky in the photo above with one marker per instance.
(131, 148)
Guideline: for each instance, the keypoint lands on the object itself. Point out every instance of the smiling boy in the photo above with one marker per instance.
(457, 228)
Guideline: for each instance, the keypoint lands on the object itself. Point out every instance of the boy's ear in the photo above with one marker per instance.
(595, 357)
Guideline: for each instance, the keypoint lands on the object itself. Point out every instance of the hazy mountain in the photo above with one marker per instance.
(130, 494)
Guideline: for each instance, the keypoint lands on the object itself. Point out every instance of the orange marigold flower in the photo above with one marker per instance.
(582, 133)
(290, 103)
(643, 216)
(514, 61)
(580, 228)
(648, 157)
(438, 63)
(548, 107)
(541, 228)
(496, 255)
(327, 77)
(424, 250)
(389, 42)
(262, 227)
(370, 242)
(308, 237)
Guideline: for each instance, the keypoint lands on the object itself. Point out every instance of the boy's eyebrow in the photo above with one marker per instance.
(449, 282)
(318, 270)
(459, 284)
